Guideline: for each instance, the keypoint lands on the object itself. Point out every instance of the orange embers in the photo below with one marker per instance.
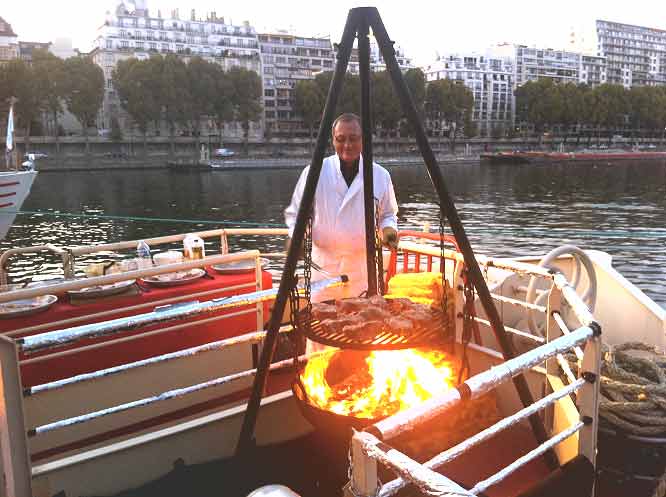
(382, 384)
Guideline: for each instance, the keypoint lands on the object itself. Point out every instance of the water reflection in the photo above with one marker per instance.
(506, 210)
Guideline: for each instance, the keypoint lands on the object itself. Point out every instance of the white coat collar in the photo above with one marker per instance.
(357, 184)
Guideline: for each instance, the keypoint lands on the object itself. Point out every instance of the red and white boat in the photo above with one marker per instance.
(104, 394)
(15, 184)
(591, 156)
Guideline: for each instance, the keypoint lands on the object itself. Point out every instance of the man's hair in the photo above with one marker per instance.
(347, 117)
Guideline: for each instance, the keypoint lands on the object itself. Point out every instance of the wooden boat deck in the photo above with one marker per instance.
(305, 466)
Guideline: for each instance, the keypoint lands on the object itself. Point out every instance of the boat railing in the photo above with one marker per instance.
(69, 254)
(16, 461)
(371, 447)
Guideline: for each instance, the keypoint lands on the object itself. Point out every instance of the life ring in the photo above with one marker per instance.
(580, 258)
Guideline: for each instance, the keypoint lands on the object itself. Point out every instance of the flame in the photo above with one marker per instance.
(392, 381)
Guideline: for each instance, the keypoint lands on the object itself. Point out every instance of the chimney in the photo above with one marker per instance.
(193, 16)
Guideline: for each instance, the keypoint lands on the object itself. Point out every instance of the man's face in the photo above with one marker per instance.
(347, 140)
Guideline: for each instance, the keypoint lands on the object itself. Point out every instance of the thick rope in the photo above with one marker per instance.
(633, 393)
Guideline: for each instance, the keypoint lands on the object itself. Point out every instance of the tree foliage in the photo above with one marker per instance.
(309, 104)
(84, 91)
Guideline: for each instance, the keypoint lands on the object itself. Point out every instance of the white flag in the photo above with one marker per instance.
(10, 130)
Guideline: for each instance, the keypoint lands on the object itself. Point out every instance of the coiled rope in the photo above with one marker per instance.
(633, 390)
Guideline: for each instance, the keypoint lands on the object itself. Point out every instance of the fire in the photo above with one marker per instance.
(390, 382)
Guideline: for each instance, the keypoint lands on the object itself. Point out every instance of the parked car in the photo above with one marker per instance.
(223, 152)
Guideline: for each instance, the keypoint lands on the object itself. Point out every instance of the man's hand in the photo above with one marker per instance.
(390, 238)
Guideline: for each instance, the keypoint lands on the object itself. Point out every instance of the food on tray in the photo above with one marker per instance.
(323, 311)
(363, 331)
(18, 306)
(365, 318)
(372, 313)
(346, 306)
(336, 325)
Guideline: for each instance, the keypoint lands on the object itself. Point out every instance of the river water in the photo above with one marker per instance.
(506, 210)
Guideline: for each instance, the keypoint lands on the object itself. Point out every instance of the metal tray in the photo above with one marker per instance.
(175, 279)
(239, 267)
(92, 292)
(26, 307)
(437, 333)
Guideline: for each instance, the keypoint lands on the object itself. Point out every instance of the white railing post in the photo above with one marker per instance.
(363, 481)
(552, 332)
(16, 476)
(588, 396)
(258, 279)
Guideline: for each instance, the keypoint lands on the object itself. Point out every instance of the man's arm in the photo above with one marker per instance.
(388, 217)
(291, 212)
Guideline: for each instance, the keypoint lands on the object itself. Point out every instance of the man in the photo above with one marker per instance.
(338, 226)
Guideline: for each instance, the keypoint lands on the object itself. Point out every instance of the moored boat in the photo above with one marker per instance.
(592, 156)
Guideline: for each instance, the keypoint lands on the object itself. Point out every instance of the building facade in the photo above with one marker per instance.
(491, 80)
(635, 55)
(377, 63)
(533, 63)
(26, 48)
(287, 59)
(135, 33)
(593, 70)
(8, 42)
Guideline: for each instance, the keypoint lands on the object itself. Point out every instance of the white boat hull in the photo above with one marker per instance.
(14, 189)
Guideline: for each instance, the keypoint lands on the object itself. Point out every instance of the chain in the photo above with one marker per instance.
(350, 485)
(450, 326)
(468, 322)
(294, 295)
(307, 263)
(380, 253)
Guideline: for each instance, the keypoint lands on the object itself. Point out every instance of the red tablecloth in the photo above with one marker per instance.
(48, 366)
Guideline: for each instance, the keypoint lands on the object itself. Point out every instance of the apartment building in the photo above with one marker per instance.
(8, 42)
(533, 63)
(377, 63)
(491, 80)
(635, 55)
(593, 70)
(287, 59)
(135, 33)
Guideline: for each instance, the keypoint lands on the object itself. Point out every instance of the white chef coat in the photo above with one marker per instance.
(338, 225)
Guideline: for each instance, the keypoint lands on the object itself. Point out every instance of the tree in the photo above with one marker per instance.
(202, 88)
(246, 99)
(449, 103)
(17, 79)
(416, 82)
(50, 78)
(116, 132)
(223, 109)
(84, 91)
(139, 96)
(174, 93)
(309, 104)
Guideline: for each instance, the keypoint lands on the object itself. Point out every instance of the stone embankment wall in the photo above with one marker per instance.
(70, 152)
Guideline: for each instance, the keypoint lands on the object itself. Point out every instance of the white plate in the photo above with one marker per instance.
(26, 307)
(239, 267)
(174, 279)
(92, 292)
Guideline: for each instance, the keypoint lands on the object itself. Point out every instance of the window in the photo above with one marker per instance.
(269, 93)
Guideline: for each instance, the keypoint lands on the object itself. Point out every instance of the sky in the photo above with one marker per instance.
(423, 28)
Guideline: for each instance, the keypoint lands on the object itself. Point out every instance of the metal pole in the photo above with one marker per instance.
(368, 179)
(447, 206)
(286, 283)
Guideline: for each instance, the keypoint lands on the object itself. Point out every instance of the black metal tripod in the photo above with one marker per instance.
(359, 20)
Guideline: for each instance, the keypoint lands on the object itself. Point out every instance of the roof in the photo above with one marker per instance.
(6, 28)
